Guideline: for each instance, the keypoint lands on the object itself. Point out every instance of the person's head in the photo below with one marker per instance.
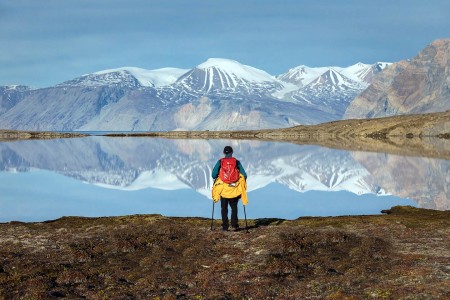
(227, 150)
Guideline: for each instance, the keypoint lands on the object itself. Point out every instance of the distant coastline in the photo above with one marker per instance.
(12, 135)
(422, 134)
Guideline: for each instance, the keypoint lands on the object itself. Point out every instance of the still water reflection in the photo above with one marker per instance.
(100, 176)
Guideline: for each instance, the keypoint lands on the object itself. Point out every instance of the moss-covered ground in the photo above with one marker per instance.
(403, 254)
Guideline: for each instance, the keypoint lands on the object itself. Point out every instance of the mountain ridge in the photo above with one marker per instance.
(163, 99)
(216, 94)
(223, 94)
(417, 85)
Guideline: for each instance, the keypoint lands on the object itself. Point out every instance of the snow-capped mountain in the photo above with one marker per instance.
(330, 89)
(332, 80)
(128, 77)
(218, 94)
(363, 72)
(122, 78)
(301, 75)
(225, 75)
(330, 92)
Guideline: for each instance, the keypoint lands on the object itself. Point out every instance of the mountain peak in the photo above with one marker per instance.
(157, 77)
(111, 77)
(218, 62)
(235, 69)
(361, 65)
(129, 76)
(364, 73)
(226, 74)
(333, 77)
(301, 75)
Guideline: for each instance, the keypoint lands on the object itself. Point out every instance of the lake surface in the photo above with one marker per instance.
(104, 176)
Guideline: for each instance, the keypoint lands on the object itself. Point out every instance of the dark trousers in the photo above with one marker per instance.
(233, 202)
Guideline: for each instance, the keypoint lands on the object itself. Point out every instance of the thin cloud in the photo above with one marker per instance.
(71, 37)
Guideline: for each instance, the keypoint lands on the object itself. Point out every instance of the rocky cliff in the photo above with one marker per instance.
(417, 85)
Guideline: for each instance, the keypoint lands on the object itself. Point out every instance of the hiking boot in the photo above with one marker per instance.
(235, 228)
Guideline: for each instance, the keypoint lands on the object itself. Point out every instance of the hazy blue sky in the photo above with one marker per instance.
(46, 42)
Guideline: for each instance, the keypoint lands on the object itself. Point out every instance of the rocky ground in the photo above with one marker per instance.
(404, 254)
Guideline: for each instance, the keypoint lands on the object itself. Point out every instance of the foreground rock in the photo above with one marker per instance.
(402, 255)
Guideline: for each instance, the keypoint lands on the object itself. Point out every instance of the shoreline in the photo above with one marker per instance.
(383, 212)
(401, 254)
(412, 135)
(7, 135)
(432, 125)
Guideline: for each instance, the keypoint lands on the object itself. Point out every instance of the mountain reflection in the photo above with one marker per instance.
(140, 163)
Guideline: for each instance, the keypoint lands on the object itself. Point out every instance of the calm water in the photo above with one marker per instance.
(100, 176)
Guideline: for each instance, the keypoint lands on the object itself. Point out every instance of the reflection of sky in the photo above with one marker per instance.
(100, 176)
(43, 195)
(278, 201)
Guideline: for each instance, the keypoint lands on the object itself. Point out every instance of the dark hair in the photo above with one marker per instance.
(227, 150)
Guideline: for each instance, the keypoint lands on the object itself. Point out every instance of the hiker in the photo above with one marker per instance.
(229, 186)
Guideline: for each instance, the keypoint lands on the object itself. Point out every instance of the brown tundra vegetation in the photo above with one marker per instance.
(402, 254)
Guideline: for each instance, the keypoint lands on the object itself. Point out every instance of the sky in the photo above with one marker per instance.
(46, 42)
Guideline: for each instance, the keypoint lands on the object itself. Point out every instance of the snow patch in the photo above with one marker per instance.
(149, 78)
(302, 75)
(233, 70)
(287, 88)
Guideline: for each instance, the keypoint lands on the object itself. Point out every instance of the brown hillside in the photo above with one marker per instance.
(415, 86)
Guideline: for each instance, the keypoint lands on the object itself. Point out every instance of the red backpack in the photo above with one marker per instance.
(229, 172)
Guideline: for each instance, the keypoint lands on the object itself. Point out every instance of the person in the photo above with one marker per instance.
(229, 187)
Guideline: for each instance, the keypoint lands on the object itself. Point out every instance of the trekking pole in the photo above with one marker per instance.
(212, 216)
(245, 215)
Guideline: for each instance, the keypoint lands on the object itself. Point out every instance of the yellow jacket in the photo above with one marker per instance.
(226, 190)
